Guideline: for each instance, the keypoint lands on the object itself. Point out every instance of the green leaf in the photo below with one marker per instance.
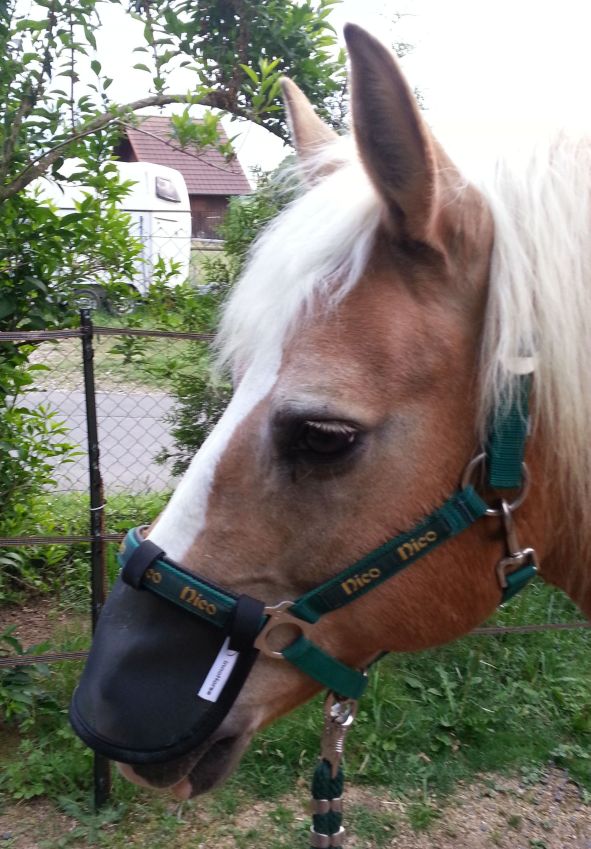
(413, 683)
(90, 37)
(250, 73)
(267, 67)
(32, 26)
(7, 306)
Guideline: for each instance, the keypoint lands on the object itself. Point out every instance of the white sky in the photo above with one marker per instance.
(488, 70)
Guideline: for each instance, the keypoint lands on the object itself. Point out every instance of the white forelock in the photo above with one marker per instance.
(314, 251)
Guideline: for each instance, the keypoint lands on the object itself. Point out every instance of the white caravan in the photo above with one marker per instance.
(159, 207)
(160, 212)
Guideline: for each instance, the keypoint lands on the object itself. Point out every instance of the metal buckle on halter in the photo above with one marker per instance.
(517, 557)
(279, 615)
(339, 716)
(523, 492)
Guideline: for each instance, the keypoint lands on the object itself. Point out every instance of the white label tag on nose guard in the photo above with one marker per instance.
(219, 673)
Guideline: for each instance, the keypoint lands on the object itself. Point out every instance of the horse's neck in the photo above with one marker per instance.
(566, 566)
(561, 528)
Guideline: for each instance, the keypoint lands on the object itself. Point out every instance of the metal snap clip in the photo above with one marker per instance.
(517, 556)
(279, 615)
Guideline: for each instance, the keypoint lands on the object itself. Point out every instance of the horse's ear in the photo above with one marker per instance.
(309, 133)
(394, 143)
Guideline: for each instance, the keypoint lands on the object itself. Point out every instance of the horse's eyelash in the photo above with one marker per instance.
(331, 427)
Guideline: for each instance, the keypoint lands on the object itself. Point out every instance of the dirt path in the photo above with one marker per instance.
(38, 622)
(493, 813)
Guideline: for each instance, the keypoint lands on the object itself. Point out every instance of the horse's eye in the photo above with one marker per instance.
(324, 441)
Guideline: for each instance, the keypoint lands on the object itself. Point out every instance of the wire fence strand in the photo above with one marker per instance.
(134, 406)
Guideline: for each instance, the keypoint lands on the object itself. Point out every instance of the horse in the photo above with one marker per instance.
(381, 320)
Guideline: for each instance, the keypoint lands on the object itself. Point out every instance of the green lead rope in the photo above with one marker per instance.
(327, 816)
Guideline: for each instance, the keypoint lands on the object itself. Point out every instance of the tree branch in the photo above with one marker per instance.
(29, 99)
(201, 157)
(23, 111)
(39, 165)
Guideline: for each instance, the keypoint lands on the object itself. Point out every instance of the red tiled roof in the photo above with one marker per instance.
(206, 172)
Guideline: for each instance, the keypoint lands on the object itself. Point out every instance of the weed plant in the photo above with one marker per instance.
(63, 571)
(510, 703)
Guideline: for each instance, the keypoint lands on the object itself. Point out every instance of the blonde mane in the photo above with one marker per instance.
(539, 296)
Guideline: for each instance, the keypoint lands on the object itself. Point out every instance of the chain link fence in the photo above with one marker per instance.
(132, 399)
(131, 403)
(110, 386)
(110, 389)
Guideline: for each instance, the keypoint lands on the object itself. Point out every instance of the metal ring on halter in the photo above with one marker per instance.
(511, 505)
(279, 615)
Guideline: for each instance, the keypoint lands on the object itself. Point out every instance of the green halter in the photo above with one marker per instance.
(505, 470)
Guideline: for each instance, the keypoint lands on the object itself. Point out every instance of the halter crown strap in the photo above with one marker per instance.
(507, 439)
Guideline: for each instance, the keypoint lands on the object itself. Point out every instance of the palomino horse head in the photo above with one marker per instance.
(356, 341)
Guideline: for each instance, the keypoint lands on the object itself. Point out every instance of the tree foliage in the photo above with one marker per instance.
(54, 93)
(200, 397)
(58, 120)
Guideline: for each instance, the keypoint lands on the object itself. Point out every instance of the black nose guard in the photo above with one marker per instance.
(138, 699)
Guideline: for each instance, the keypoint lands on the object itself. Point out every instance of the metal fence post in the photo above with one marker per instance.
(102, 768)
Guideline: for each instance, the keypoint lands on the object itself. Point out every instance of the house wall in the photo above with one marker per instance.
(207, 212)
(124, 151)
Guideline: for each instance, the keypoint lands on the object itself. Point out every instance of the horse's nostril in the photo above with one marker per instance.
(183, 790)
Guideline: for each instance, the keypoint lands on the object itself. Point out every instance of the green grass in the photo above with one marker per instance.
(509, 704)
(63, 571)
(376, 827)
(433, 718)
(120, 362)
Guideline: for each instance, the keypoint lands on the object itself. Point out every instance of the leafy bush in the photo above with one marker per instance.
(49, 760)
(32, 441)
(199, 404)
(42, 254)
(200, 398)
(23, 695)
(63, 571)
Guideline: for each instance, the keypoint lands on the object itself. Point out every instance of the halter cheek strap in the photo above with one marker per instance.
(249, 622)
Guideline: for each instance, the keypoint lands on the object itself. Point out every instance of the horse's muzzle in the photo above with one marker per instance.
(141, 696)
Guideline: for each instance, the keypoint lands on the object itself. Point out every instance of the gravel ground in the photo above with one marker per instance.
(542, 811)
(493, 813)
